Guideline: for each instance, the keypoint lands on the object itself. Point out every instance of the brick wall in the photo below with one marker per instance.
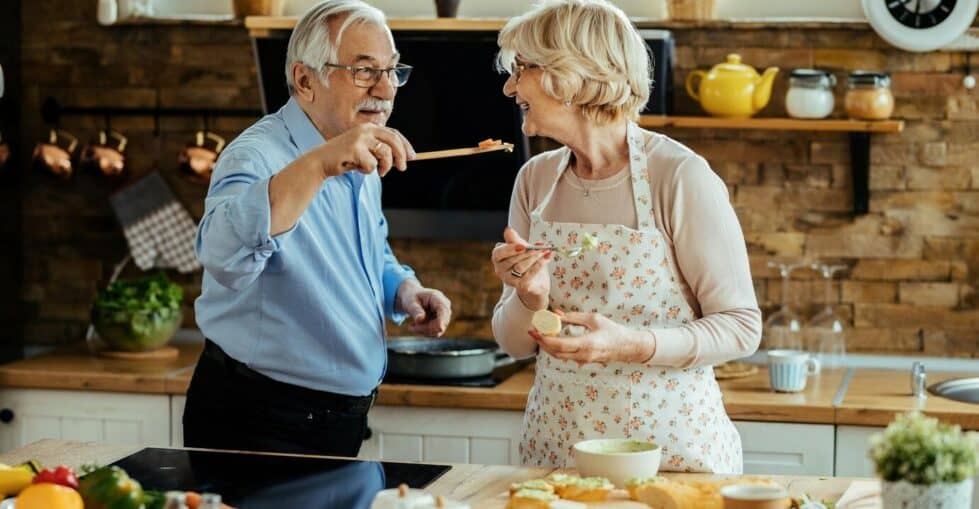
(913, 259)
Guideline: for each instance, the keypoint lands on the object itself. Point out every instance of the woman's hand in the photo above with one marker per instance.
(604, 341)
(526, 271)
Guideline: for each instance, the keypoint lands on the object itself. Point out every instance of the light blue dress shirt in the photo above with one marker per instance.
(307, 306)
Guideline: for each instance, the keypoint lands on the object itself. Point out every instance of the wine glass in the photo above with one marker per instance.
(783, 329)
(825, 330)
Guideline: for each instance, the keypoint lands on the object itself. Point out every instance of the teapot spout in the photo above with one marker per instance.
(763, 88)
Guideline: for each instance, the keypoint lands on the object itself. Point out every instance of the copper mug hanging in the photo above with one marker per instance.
(198, 157)
(54, 155)
(4, 152)
(107, 154)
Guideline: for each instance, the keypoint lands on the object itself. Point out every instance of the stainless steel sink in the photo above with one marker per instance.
(965, 390)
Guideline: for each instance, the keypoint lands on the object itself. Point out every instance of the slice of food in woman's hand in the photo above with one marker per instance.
(588, 489)
(547, 323)
(533, 484)
(531, 499)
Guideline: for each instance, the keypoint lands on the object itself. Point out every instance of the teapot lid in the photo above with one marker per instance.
(734, 64)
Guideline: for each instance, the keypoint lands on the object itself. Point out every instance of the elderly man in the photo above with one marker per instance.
(298, 272)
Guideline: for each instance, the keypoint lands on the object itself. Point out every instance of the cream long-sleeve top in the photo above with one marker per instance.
(704, 238)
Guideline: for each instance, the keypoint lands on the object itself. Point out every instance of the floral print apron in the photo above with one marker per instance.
(630, 279)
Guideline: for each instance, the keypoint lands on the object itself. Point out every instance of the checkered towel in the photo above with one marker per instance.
(158, 229)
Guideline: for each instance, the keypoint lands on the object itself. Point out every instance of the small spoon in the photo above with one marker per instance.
(570, 252)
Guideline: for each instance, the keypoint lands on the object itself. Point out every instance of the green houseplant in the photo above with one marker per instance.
(138, 315)
(924, 463)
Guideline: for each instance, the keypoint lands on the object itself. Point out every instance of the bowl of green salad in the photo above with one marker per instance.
(138, 315)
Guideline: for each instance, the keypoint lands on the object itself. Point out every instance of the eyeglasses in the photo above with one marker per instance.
(517, 68)
(367, 77)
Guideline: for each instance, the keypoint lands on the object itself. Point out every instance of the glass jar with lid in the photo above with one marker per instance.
(810, 93)
(868, 96)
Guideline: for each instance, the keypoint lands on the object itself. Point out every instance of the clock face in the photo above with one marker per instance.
(920, 25)
(920, 14)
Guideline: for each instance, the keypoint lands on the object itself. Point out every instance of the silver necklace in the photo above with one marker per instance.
(582, 184)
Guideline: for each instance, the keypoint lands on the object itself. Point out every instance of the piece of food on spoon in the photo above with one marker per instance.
(589, 242)
(489, 142)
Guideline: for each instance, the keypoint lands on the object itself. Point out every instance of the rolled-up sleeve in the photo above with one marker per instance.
(233, 239)
(391, 278)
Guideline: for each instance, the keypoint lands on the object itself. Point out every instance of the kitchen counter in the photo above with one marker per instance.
(868, 397)
(875, 395)
(482, 486)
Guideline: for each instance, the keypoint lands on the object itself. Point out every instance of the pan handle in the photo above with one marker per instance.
(502, 359)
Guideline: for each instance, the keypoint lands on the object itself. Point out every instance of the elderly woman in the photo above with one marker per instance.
(666, 293)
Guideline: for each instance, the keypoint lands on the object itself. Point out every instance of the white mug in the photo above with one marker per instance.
(788, 370)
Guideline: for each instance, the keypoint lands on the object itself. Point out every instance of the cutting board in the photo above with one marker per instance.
(858, 495)
(619, 499)
(861, 495)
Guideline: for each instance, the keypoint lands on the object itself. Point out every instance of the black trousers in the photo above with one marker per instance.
(230, 406)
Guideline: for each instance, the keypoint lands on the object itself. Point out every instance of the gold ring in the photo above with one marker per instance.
(377, 147)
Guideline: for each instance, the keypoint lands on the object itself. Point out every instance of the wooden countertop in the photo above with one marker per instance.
(871, 398)
(481, 486)
(752, 399)
(75, 368)
(874, 396)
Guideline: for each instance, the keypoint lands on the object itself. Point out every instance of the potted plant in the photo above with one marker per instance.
(925, 464)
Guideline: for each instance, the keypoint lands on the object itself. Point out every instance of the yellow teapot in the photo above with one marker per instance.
(732, 89)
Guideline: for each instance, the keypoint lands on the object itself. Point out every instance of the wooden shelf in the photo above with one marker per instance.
(232, 22)
(859, 132)
(267, 26)
(775, 124)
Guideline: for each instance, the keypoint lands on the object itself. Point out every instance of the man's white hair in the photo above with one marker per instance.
(312, 43)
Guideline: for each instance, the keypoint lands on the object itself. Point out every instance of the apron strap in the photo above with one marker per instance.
(641, 196)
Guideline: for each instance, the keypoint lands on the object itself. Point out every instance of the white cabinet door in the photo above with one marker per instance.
(140, 419)
(444, 435)
(786, 449)
(852, 447)
(177, 420)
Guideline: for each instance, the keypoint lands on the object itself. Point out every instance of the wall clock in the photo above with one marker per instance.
(920, 25)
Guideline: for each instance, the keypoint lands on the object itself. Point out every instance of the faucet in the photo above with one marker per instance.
(918, 380)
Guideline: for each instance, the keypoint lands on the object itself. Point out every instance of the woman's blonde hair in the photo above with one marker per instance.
(592, 56)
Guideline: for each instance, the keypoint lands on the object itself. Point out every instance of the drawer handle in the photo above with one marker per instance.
(6, 415)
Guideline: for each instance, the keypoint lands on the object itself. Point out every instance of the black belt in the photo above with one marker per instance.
(340, 402)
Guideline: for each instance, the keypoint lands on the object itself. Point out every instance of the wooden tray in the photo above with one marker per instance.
(166, 353)
(729, 370)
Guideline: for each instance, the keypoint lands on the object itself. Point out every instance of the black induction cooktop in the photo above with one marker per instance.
(261, 481)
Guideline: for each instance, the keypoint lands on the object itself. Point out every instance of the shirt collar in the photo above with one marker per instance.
(300, 127)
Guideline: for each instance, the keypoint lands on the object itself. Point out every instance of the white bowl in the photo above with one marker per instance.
(617, 459)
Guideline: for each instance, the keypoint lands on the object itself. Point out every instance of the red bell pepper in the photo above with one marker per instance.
(61, 475)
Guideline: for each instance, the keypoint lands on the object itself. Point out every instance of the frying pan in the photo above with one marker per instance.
(442, 358)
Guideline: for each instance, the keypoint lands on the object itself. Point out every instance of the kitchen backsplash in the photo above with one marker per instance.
(914, 258)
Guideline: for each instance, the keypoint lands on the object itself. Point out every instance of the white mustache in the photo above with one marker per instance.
(373, 104)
